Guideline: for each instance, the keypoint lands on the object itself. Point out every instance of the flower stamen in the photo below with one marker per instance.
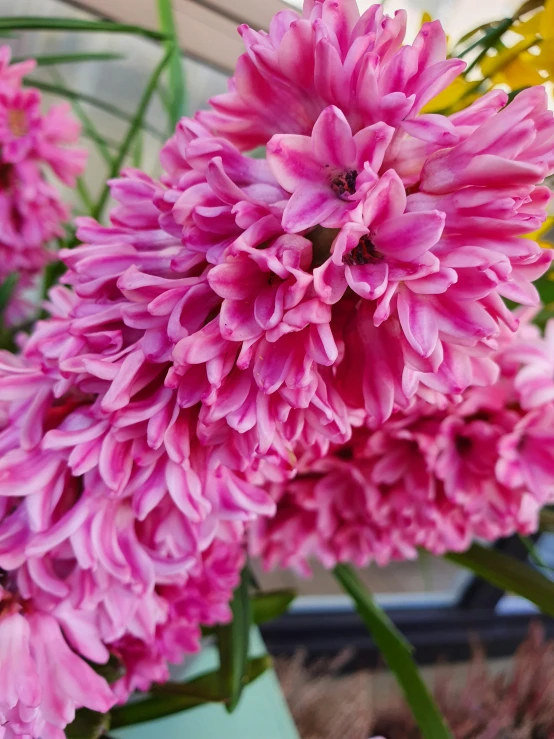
(17, 122)
(345, 183)
(364, 253)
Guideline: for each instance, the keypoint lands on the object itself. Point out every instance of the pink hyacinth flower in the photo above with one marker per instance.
(328, 172)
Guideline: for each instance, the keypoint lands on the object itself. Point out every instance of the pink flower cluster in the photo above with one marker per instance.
(276, 337)
(433, 477)
(31, 211)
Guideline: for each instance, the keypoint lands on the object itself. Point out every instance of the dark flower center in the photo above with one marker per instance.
(5, 177)
(463, 444)
(364, 253)
(345, 183)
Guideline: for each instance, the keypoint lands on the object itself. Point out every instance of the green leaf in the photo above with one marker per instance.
(509, 574)
(132, 132)
(487, 41)
(208, 686)
(48, 60)
(270, 605)
(84, 194)
(233, 641)
(88, 724)
(398, 655)
(546, 522)
(112, 671)
(52, 273)
(73, 95)
(176, 75)
(6, 290)
(138, 149)
(42, 23)
(172, 698)
(527, 7)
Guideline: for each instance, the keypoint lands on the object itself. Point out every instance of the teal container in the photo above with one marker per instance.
(261, 714)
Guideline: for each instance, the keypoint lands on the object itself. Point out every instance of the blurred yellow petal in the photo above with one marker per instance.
(530, 27)
(547, 21)
(449, 97)
(519, 73)
(542, 231)
(493, 64)
(545, 60)
(426, 18)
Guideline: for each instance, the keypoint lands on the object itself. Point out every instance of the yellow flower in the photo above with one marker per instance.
(540, 26)
(451, 96)
(511, 66)
(542, 231)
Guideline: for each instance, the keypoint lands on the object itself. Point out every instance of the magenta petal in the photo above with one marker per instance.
(333, 144)
(330, 282)
(408, 236)
(292, 161)
(369, 281)
(418, 322)
(386, 201)
(237, 321)
(371, 145)
(434, 128)
(307, 207)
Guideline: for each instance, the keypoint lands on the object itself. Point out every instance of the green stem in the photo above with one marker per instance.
(175, 69)
(28, 23)
(398, 655)
(88, 126)
(489, 39)
(84, 194)
(132, 132)
(508, 574)
(73, 95)
(47, 60)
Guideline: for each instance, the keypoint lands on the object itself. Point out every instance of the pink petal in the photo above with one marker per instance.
(418, 322)
(308, 207)
(386, 201)
(330, 282)
(333, 144)
(408, 236)
(371, 145)
(292, 161)
(369, 281)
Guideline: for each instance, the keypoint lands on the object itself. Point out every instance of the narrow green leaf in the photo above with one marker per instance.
(151, 709)
(176, 75)
(112, 671)
(138, 150)
(89, 129)
(233, 641)
(52, 273)
(547, 520)
(134, 128)
(487, 42)
(73, 95)
(482, 28)
(6, 290)
(208, 686)
(527, 7)
(509, 574)
(534, 554)
(398, 655)
(84, 194)
(48, 60)
(88, 724)
(270, 605)
(42, 23)
(172, 698)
